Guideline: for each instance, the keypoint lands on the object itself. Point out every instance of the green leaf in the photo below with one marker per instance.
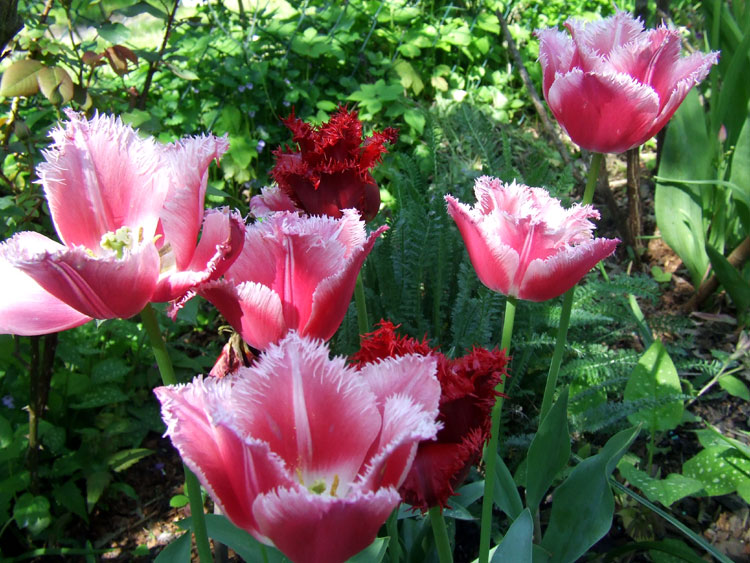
(19, 79)
(734, 386)
(655, 377)
(415, 119)
(123, 459)
(517, 544)
(666, 491)
(110, 370)
(176, 552)
(70, 496)
(6, 433)
(549, 451)
(505, 495)
(114, 33)
(100, 396)
(730, 278)
(409, 76)
(178, 501)
(326, 105)
(184, 73)
(374, 553)
(56, 85)
(32, 512)
(721, 469)
(245, 545)
(409, 50)
(583, 505)
(95, 484)
(679, 215)
(142, 8)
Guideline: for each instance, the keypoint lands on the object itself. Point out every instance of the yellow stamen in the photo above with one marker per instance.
(334, 485)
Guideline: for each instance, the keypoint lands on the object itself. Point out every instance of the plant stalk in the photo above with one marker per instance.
(394, 546)
(363, 323)
(440, 531)
(567, 305)
(192, 486)
(490, 452)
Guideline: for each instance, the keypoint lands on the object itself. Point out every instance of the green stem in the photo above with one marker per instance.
(363, 323)
(596, 164)
(490, 453)
(159, 346)
(394, 546)
(439, 530)
(562, 332)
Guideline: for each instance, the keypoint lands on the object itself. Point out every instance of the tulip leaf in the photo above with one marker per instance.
(374, 553)
(655, 377)
(583, 505)
(505, 495)
(19, 79)
(517, 544)
(549, 451)
(679, 215)
(730, 278)
(177, 551)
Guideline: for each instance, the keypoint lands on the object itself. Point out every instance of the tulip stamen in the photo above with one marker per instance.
(119, 240)
(334, 485)
(318, 487)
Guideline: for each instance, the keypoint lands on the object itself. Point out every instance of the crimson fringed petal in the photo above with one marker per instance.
(467, 395)
(330, 171)
(612, 85)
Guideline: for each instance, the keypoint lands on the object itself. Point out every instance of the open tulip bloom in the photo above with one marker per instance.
(302, 451)
(122, 247)
(611, 85)
(294, 273)
(523, 243)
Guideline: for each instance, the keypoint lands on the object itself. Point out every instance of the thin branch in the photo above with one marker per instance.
(152, 65)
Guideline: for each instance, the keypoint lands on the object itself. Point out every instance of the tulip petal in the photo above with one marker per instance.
(310, 528)
(26, 308)
(187, 161)
(271, 200)
(99, 175)
(233, 469)
(556, 55)
(251, 308)
(221, 242)
(102, 288)
(296, 388)
(603, 112)
(333, 294)
(547, 279)
(495, 262)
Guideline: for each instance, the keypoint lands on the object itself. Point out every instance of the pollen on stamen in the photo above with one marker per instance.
(334, 485)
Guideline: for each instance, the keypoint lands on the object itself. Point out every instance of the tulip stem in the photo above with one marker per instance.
(490, 452)
(567, 305)
(596, 164)
(192, 486)
(439, 530)
(363, 323)
(394, 545)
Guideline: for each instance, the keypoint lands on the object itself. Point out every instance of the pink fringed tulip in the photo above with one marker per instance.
(523, 243)
(302, 451)
(612, 85)
(122, 246)
(294, 273)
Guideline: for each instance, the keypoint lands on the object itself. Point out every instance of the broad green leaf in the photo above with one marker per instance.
(100, 396)
(678, 206)
(666, 491)
(734, 386)
(32, 512)
(56, 85)
(178, 501)
(583, 505)
(6, 433)
(70, 496)
(517, 544)
(730, 278)
(505, 495)
(721, 469)
(739, 176)
(114, 33)
(549, 451)
(415, 119)
(409, 76)
(110, 370)
(121, 460)
(245, 545)
(95, 484)
(409, 50)
(374, 553)
(655, 377)
(19, 79)
(326, 105)
(176, 552)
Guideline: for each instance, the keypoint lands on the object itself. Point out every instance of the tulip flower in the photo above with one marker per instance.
(331, 170)
(294, 273)
(302, 451)
(523, 243)
(122, 247)
(467, 394)
(611, 85)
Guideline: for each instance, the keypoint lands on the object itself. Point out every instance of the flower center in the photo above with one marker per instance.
(120, 240)
(320, 485)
